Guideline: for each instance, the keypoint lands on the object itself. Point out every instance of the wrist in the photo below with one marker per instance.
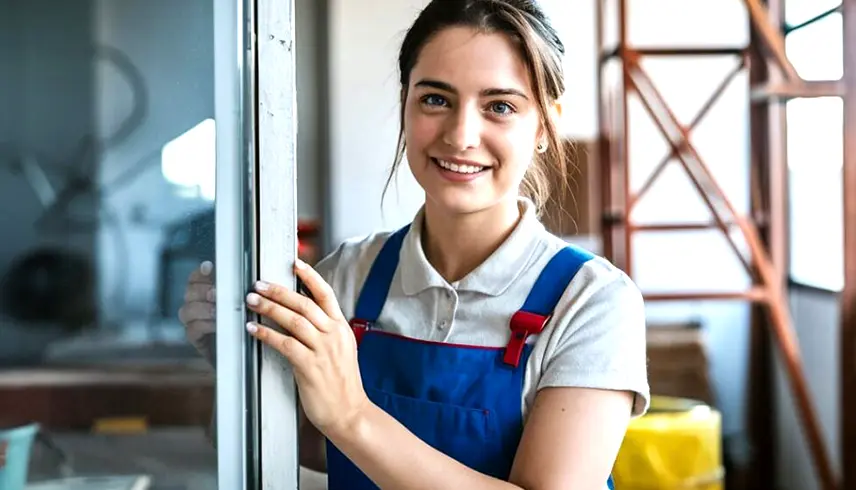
(351, 426)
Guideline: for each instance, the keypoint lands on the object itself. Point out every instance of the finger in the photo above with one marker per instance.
(203, 274)
(293, 323)
(197, 329)
(295, 302)
(321, 292)
(293, 350)
(200, 292)
(196, 310)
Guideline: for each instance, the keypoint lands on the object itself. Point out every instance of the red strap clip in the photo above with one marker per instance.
(523, 324)
(359, 327)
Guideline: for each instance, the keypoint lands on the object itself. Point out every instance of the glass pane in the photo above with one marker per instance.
(609, 24)
(672, 197)
(815, 157)
(106, 175)
(799, 11)
(816, 50)
(676, 23)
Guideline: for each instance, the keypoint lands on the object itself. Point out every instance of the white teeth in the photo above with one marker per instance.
(461, 169)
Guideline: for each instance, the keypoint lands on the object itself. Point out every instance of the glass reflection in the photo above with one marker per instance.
(107, 185)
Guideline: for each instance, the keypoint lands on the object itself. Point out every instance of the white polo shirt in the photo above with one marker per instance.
(595, 338)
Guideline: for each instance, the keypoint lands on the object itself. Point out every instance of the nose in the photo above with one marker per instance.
(463, 129)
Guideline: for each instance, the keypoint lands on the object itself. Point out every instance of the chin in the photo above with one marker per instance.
(459, 201)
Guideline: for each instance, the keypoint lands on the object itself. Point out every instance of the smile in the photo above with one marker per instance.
(459, 168)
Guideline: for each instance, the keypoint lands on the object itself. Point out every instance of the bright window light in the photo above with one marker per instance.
(816, 50)
(815, 148)
(798, 11)
(188, 161)
(815, 157)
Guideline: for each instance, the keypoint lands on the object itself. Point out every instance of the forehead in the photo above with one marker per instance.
(469, 59)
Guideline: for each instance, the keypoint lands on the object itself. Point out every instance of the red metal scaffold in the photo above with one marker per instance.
(766, 272)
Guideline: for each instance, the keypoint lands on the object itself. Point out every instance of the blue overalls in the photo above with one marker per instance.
(463, 400)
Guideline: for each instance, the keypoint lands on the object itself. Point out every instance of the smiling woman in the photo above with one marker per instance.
(488, 72)
(471, 348)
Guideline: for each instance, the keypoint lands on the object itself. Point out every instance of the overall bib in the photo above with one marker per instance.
(463, 400)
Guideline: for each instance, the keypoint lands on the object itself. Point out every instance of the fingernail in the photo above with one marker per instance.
(252, 328)
(300, 264)
(206, 268)
(253, 299)
(262, 286)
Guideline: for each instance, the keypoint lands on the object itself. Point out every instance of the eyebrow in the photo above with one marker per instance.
(486, 92)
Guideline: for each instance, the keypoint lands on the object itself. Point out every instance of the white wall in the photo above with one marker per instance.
(364, 38)
(816, 319)
(311, 132)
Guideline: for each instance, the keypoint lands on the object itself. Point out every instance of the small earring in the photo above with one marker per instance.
(542, 147)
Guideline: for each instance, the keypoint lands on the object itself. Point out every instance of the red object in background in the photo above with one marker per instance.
(307, 234)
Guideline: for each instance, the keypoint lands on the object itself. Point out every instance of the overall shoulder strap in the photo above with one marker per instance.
(543, 298)
(376, 286)
(554, 279)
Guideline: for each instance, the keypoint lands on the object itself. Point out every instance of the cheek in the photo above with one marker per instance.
(419, 130)
(516, 148)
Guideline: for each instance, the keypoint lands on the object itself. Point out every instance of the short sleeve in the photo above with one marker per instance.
(598, 338)
(346, 267)
(327, 266)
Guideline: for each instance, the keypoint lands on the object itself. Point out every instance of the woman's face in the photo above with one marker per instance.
(471, 122)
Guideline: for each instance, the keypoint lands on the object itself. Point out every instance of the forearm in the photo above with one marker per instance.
(393, 457)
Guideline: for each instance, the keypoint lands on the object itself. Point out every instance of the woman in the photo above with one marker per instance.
(471, 349)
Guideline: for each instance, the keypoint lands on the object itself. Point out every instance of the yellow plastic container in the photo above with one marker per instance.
(676, 445)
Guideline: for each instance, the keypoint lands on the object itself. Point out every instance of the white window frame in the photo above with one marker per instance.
(256, 236)
(277, 245)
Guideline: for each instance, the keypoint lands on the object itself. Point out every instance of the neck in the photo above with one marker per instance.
(456, 244)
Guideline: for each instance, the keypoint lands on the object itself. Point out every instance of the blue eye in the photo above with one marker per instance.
(501, 108)
(434, 100)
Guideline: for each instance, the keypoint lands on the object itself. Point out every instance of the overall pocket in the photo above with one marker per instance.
(469, 435)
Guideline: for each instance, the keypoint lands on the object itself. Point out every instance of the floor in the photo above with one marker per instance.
(175, 459)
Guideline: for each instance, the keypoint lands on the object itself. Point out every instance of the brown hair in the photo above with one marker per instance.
(542, 51)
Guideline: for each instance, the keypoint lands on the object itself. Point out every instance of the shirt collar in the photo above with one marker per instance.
(492, 277)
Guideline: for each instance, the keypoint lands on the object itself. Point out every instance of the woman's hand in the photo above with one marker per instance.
(198, 312)
(319, 344)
